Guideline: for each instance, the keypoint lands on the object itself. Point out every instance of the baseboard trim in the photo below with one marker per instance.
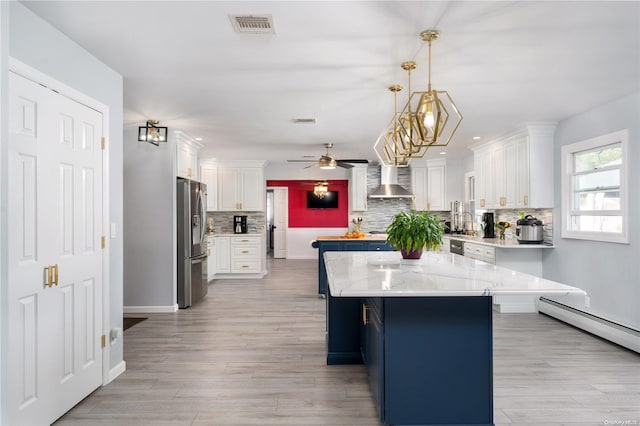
(256, 276)
(294, 257)
(116, 371)
(608, 330)
(149, 309)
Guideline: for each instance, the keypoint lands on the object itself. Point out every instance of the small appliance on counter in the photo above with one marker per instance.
(529, 230)
(210, 225)
(455, 227)
(239, 224)
(487, 225)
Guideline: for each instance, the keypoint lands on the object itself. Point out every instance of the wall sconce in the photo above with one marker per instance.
(152, 133)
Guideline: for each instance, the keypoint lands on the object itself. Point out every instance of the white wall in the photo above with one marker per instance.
(608, 272)
(455, 180)
(149, 224)
(297, 171)
(39, 45)
(4, 103)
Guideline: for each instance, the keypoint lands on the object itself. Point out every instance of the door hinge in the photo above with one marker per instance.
(103, 143)
(103, 241)
(103, 341)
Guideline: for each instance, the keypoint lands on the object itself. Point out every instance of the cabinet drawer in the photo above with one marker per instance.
(245, 266)
(244, 252)
(480, 252)
(245, 240)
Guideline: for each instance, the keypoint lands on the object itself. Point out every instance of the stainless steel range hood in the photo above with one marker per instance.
(389, 187)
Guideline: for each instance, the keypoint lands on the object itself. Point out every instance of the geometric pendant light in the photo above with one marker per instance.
(437, 116)
(390, 147)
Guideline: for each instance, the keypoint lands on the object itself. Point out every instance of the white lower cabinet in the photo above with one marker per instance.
(480, 252)
(238, 256)
(245, 255)
(211, 259)
(222, 254)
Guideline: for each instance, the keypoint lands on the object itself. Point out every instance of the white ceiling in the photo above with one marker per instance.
(504, 63)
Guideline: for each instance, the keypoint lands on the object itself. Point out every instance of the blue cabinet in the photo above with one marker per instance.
(322, 271)
(343, 245)
(372, 340)
(428, 359)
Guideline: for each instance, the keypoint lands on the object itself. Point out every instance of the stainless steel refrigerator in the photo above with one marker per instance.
(192, 243)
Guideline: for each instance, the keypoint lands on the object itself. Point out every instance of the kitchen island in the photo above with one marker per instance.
(423, 329)
(341, 243)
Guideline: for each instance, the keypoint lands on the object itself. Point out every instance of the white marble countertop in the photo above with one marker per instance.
(386, 274)
(510, 243)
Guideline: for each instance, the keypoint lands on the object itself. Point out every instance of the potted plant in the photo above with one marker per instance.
(412, 231)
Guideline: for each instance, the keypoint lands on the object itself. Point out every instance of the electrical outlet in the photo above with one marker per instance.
(587, 302)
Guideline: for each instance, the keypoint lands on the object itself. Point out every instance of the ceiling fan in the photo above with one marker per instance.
(327, 161)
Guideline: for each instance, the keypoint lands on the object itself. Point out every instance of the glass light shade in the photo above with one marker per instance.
(328, 163)
(152, 134)
(320, 189)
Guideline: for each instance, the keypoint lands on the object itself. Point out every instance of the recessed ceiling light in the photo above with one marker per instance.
(443, 152)
(198, 139)
(475, 138)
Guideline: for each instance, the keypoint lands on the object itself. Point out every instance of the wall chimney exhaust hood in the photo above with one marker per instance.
(389, 187)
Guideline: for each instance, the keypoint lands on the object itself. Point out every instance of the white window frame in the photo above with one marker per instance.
(619, 137)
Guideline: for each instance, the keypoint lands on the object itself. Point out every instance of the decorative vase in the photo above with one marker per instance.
(414, 254)
(502, 234)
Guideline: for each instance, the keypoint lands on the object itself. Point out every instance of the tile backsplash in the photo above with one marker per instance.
(223, 222)
(380, 211)
(512, 216)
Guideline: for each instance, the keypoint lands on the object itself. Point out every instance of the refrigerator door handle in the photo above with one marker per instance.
(202, 213)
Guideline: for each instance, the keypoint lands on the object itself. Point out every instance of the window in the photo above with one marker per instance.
(594, 189)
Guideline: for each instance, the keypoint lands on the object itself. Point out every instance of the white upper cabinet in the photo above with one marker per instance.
(187, 157)
(358, 188)
(516, 171)
(429, 185)
(209, 176)
(241, 188)
(252, 193)
(419, 187)
(436, 185)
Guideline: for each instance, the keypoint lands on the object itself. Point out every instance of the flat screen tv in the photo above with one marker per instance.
(329, 201)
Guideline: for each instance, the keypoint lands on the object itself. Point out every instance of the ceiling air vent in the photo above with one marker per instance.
(253, 24)
(304, 120)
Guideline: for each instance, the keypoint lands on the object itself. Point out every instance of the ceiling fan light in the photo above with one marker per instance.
(328, 163)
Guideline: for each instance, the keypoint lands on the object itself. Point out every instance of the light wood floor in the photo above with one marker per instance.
(253, 354)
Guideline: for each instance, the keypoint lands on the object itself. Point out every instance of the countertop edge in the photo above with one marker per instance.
(508, 244)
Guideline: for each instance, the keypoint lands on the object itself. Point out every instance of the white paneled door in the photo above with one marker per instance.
(55, 253)
(280, 222)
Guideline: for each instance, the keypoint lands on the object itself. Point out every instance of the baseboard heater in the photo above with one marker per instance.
(609, 330)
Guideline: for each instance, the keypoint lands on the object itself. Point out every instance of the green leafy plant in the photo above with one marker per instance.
(411, 231)
(522, 214)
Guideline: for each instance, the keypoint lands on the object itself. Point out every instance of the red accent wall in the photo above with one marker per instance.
(302, 217)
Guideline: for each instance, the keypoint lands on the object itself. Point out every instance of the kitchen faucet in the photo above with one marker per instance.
(471, 217)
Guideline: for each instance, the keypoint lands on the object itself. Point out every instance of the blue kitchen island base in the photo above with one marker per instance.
(429, 360)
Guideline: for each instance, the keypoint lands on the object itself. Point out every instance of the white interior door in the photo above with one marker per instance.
(55, 253)
(280, 222)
